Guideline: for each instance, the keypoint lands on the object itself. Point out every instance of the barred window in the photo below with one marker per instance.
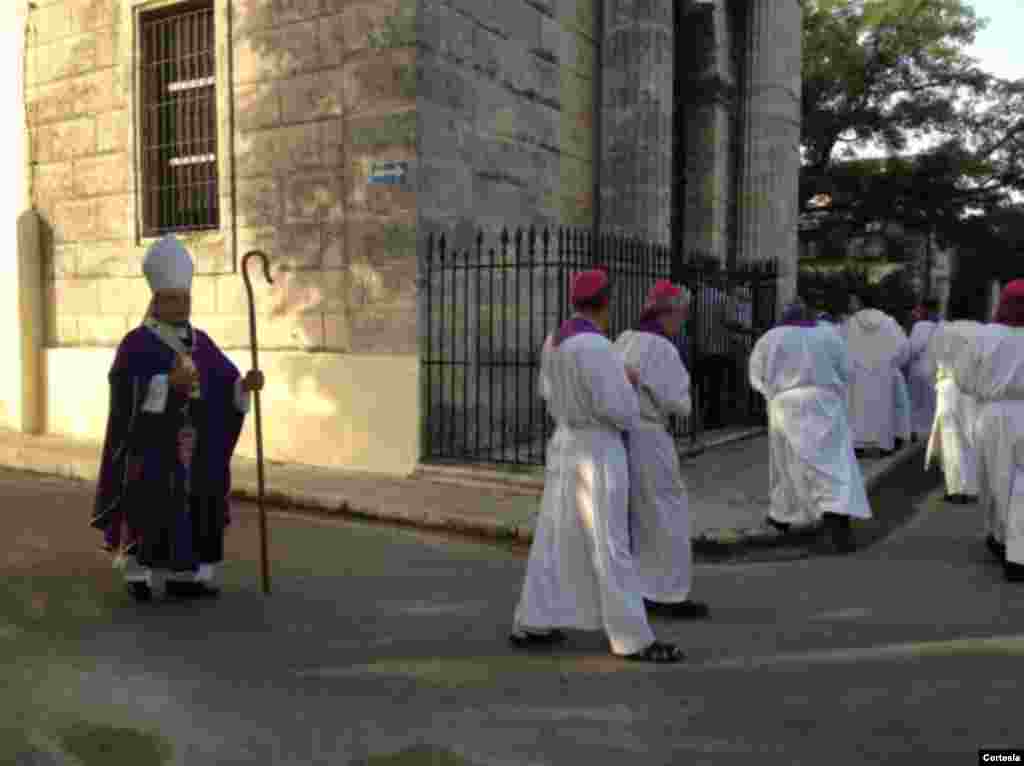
(179, 119)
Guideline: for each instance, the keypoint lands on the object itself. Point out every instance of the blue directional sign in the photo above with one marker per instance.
(388, 171)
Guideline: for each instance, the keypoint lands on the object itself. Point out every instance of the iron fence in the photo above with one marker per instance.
(488, 311)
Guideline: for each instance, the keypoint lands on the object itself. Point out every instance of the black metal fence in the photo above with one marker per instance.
(488, 311)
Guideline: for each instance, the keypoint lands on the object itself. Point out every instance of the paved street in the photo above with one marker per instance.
(381, 640)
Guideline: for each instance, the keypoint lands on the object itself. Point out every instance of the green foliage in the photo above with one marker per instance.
(399, 240)
(830, 290)
(406, 76)
(101, 745)
(393, 130)
(896, 295)
(884, 70)
(888, 71)
(398, 31)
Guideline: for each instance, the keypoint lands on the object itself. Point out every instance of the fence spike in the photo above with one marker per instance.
(442, 247)
(546, 241)
(504, 238)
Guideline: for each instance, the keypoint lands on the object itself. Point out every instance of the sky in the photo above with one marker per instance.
(998, 47)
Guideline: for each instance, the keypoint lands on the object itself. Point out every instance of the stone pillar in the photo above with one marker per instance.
(709, 81)
(770, 174)
(22, 394)
(636, 127)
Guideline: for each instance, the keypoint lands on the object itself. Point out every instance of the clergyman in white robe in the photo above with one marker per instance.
(660, 520)
(991, 368)
(581, 572)
(951, 443)
(802, 369)
(921, 371)
(878, 347)
(902, 424)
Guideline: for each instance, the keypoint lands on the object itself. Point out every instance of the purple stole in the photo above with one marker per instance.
(575, 325)
(652, 326)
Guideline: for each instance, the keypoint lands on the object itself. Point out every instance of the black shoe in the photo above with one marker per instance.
(840, 532)
(184, 589)
(684, 610)
(524, 640)
(859, 452)
(140, 591)
(996, 548)
(966, 499)
(1014, 572)
(955, 499)
(898, 446)
(780, 526)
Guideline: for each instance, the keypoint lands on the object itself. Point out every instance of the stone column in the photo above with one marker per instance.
(769, 181)
(636, 127)
(709, 108)
(21, 295)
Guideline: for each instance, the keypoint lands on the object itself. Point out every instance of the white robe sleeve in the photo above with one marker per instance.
(758, 366)
(243, 399)
(919, 340)
(666, 381)
(543, 377)
(903, 355)
(840, 357)
(964, 357)
(611, 397)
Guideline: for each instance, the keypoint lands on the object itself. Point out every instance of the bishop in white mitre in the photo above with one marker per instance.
(177, 405)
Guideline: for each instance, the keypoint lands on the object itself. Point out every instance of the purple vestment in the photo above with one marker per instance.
(575, 325)
(166, 521)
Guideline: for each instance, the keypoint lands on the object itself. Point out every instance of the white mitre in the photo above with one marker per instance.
(167, 265)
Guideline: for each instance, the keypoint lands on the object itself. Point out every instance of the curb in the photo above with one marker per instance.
(53, 456)
(490, 476)
(320, 504)
(725, 542)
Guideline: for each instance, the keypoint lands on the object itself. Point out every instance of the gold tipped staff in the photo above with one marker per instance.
(259, 421)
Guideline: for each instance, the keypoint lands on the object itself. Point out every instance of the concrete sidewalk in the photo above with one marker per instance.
(727, 480)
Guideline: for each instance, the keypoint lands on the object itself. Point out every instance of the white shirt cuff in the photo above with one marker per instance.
(242, 398)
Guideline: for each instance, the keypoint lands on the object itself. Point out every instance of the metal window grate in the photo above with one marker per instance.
(179, 121)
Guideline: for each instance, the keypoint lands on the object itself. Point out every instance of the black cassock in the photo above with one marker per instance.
(174, 515)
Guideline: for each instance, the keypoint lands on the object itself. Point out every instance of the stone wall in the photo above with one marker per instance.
(314, 92)
(506, 114)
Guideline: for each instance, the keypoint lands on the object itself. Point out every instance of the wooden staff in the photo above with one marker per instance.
(259, 422)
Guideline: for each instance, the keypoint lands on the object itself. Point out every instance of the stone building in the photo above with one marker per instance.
(335, 135)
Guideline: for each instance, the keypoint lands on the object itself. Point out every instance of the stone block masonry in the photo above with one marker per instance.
(505, 138)
(320, 90)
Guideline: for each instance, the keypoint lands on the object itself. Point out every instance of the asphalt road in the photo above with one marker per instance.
(387, 646)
